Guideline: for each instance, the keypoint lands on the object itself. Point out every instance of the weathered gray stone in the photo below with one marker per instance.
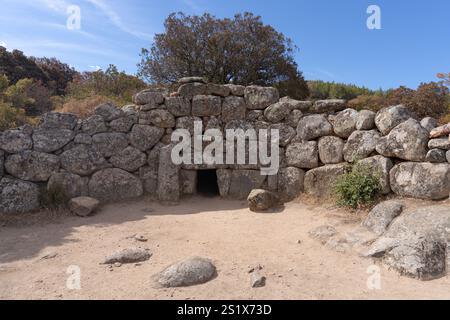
(206, 106)
(290, 182)
(123, 124)
(257, 280)
(436, 156)
(329, 106)
(83, 206)
(294, 118)
(13, 141)
(55, 120)
(2, 162)
(277, 112)
(178, 106)
(18, 196)
(188, 123)
(429, 123)
(255, 115)
(145, 137)
(224, 181)
(303, 155)
(190, 90)
(130, 255)
(188, 181)
(344, 123)
(320, 182)
(168, 177)
(407, 141)
(149, 178)
(389, 118)
(421, 180)
(233, 108)
(287, 133)
(51, 140)
(109, 144)
(93, 125)
(331, 150)
(236, 90)
(360, 145)
(382, 215)
(415, 244)
(447, 155)
(114, 185)
(129, 159)
(323, 233)
(130, 110)
(262, 200)
(187, 273)
(381, 167)
(109, 112)
(302, 106)
(83, 160)
(440, 143)
(314, 126)
(159, 118)
(243, 182)
(83, 138)
(32, 165)
(217, 90)
(149, 97)
(71, 185)
(258, 98)
(365, 120)
(185, 80)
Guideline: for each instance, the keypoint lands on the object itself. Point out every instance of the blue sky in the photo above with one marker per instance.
(334, 42)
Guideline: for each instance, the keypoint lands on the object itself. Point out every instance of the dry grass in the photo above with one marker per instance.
(83, 108)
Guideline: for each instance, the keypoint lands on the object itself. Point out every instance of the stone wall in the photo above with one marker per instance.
(124, 153)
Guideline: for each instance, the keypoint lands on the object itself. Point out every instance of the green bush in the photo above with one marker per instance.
(358, 187)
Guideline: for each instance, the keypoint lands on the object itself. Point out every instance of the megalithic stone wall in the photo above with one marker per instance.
(123, 153)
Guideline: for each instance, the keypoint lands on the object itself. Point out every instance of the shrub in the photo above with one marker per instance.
(54, 198)
(11, 117)
(368, 102)
(358, 187)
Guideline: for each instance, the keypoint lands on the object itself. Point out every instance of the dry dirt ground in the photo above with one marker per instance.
(34, 258)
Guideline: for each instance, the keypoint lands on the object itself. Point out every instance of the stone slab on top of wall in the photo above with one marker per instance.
(123, 153)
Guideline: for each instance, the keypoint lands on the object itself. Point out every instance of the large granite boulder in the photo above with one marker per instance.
(303, 155)
(188, 123)
(114, 185)
(190, 90)
(217, 90)
(320, 182)
(72, 185)
(93, 125)
(168, 177)
(388, 118)
(286, 133)
(303, 106)
(290, 183)
(331, 150)
(18, 196)
(382, 216)
(233, 108)
(14, 141)
(329, 106)
(51, 140)
(344, 123)
(124, 124)
(145, 137)
(313, 127)
(55, 120)
(440, 143)
(242, 182)
(360, 145)
(447, 155)
(236, 90)
(365, 120)
(262, 200)
(150, 98)
(32, 165)
(436, 156)
(178, 106)
(407, 141)
(83, 160)
(277, 112)
(381, 167)
(429, 123)
(129, 159)
(109, 144)
(206, 106)
(109, 112)
(421, 180)
(2, 163)
(416, 243)
(294, 118)
(259, 98)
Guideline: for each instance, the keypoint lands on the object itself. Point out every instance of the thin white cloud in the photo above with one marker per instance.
(191, 4)
(117, 20)
(3, 44)
(96, 68)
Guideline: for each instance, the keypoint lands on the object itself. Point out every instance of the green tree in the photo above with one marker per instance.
(242, 50)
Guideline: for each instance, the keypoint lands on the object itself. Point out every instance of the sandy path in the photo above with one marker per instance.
(224, 231)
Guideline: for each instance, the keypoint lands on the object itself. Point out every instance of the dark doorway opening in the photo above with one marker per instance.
(207, 183)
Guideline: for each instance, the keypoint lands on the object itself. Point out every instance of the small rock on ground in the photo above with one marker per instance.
(83, 206)
(131, 255)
